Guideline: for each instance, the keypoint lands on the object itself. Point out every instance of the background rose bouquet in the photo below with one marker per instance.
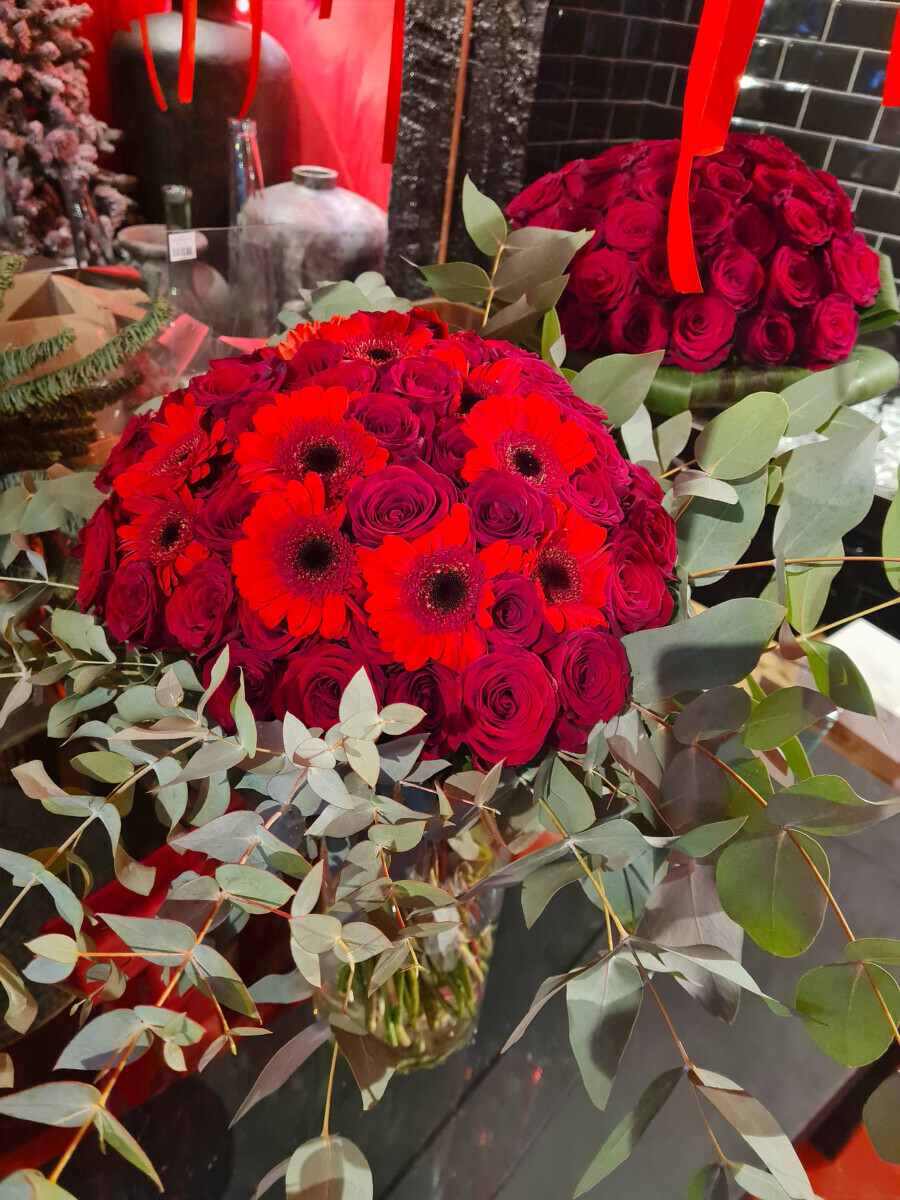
(785, 276)
(441, 510)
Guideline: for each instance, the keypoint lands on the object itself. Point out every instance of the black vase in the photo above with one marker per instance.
(188, 143)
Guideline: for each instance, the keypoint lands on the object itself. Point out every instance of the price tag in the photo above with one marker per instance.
(182, 245)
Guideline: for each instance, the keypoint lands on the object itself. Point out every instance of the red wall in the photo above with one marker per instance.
(340, 80)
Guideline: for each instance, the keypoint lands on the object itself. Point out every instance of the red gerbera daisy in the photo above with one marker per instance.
(162, 534)
(293, 564)
(431, 597)
(526, 436)
(379, 338)
(571, 570)
(488, 379)
(181, 454)
(308, 431)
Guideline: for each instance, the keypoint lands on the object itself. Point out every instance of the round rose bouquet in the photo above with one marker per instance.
(784, 274)
(442, 510)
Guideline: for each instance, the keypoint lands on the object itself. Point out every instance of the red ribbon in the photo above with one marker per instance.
(724, 41)
(186, 61)
(395, 84)
(148, 58)
(324, 9)
(892, 78)
(256, 17)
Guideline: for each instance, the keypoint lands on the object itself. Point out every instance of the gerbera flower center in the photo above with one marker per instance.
(315, 556)
(448, 590)
(523, 454)
(378, 351)
(314, 559)
(171, 534)
(322, 456)
(444, 587)
(557, 573)
(527, 463)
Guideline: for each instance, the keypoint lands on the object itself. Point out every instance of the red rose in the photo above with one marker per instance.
(219, 523)
(643, 483)
(450, 447)
(603, 279)
(310, 359)
(591, 491)
(508, 706)
(517, 616)
(638, 596)
(653, 269)
(200, 611)
(434, 688)
(258, 672)
(130, 448)
(840, 212)
(656, 528)
(591, 672)
(582, 325)
(753, 230)
(772, 185)
(602, 193)
(427, 383)
(638, 325)
(855, 268)
(537, 196)
(315, 679)
(795, 280)
(736, 276)
(272, 643)
(710, 215)
(355, 376)
(633, 225)
(702, 329)
(803, 224)
(832, 331)
(767, 337)
(655, 185)
(134, 605)
(728, 181)
(97, 551)
(769, 149)
(402, 432)
(230, 381)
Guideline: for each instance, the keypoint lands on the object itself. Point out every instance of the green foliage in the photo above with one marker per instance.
(376, 861)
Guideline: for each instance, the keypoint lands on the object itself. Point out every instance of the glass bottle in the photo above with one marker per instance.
(251, 276)
(181, 250)
(246, 176)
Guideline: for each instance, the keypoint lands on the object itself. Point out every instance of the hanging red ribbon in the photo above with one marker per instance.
(324, 9)
(148, 58)
(186, 61)
(256, 17)
(892, 78)
(724, 41)
(395, 84)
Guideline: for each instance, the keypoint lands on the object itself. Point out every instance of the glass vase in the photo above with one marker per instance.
(430, 1009)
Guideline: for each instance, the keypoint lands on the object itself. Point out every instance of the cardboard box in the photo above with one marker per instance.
(41, 304)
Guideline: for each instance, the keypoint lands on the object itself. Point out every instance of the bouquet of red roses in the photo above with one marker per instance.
(441, 510)
(784, 274)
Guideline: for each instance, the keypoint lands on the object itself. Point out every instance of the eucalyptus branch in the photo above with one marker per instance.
(51, 583)
(789, 562)
(492, 289)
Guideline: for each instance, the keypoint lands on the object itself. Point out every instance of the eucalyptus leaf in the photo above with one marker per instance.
(626, 1135)
(566, 798)
(758, 1128)
(710, 1183)
(784, 714)
(756, 1182)
(97, 1044)
(719, 711)
(741, 439)
(879, 950)
(767, 886)
(253, 889)
(827, 805)
(328, 1168)
(284, 1062)
(842, 1013)
(541, 886)
(837, 676)
(719, 646)
(64, 1104)
(603, 1004)
(371, 1060)
(484, 219)
(890, 539)
(698, 483)
(22, 1007)
(808, 588)
(618, 383)
(881, 1118)
(458, 282)
(671, 437)
(812, 400)
(113, 1133)
(713, 534)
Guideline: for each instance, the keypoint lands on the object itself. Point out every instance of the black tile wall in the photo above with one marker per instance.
(615, 70)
